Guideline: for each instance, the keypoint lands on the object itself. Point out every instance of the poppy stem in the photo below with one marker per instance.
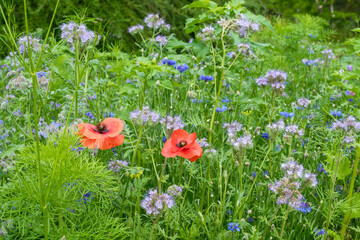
(188, 185)
(162, 172)
(180, 170)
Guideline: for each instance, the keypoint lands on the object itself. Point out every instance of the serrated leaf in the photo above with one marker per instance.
(344, 169)
(355, 206)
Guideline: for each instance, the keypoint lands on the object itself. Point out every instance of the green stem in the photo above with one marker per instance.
(137, 145)
(284, 222)
(188, 185)
(180, 170)
(346, 220)
(277, 209)
(161, 175)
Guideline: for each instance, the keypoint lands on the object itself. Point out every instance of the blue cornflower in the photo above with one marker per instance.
(196, 100)
(222, 109)
(87, 197)
(336, 113)
(287, 115)
(234, 227)
(169, 62)
(114, 151)
(1, 122)
(250, 220)
(164, 139)
(339, 188)
(90, 115)
(229, 212)
(304, 207)
(320, 232)
(254, 174)
(93, 97)
(206, 78)
(320, 168)
(40, 74)
(350, 100)
(225, 100)
(182, 68)
(265, 135)
(110, 114)
(266, 173)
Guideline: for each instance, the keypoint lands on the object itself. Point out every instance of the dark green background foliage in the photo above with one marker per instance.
(342, 14)
(120, 14)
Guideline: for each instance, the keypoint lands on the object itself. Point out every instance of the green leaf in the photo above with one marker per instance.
(355, 206)
(262, 46)
(11, 149)
(127, 88)
(356, 30)
(176, 84)
(163, 84)
(344, 169)
(260, 19)
(201, 4)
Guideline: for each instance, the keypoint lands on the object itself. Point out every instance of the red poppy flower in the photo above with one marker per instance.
(105, 135)
(182, 144)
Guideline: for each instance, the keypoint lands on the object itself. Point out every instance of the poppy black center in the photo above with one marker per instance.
(181, 144)
(101, 128)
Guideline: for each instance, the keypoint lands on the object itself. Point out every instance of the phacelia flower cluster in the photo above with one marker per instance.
(276, 127)
(288, 188)
(156, 22)
(328, 54)
(144, 116)
(349, 124)
(303, 102)
(207, 33)
(276, 79)
(243, 142)
(34, 44)
(244, 49)
(72, 32)
(116, 165)
(232, 128)
(161, 40)
(155, 204)
(293, 130)
(243, 26)
(172, 123)
(136, 29)
(175, 191)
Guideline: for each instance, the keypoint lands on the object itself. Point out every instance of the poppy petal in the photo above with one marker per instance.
(110, 142)
(168, 151)
(190, 140)
(89, 143)
(177, 136)
(192, 153)
(87, 130)
(114, 125)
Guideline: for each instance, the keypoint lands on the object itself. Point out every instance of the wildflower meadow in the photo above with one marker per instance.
(249, 130)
